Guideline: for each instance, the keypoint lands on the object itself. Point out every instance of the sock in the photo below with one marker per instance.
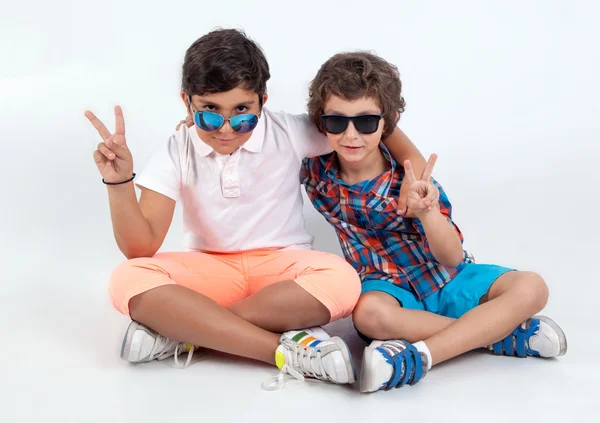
(421, 347)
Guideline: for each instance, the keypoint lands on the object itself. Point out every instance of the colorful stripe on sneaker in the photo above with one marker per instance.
(306, 339)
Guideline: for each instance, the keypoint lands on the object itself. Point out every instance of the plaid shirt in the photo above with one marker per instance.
(378, 242)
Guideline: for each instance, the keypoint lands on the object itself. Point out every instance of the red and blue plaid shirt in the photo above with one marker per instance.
(378, 242)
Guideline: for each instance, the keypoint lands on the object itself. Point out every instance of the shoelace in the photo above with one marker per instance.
(300, 367)
(406, 360)
(164, 347)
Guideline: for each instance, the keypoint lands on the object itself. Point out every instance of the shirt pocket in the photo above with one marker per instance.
(383, 217)
(326, 199)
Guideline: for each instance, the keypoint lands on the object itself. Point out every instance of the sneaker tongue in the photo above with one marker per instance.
(307, 358)
(164, 347)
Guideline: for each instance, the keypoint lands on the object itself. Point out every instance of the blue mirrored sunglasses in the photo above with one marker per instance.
(210, 121)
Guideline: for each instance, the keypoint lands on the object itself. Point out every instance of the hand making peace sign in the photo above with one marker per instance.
(112, 157)
(423, 196)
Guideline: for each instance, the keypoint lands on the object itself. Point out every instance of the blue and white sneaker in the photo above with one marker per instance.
(391, 364)
(539, 336)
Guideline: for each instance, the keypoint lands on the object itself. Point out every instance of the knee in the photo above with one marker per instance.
(533, 290)
(369, 317)
(348, 287)
(123, 279)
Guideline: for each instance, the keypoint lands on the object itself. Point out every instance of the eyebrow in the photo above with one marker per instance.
(364, 112)
(208, 103)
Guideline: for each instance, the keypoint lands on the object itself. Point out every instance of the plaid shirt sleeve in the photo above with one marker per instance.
(305, 172)
(446, 211)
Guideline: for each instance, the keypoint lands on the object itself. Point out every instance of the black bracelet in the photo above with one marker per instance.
(119, 183)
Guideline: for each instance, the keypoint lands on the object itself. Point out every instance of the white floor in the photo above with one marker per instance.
(61, 340)
(506, 94)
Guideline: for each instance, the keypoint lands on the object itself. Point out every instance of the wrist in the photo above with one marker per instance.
(427, 215)
(122, 181)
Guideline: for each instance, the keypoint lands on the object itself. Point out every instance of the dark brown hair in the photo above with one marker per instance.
(356, 75)
(223, 60)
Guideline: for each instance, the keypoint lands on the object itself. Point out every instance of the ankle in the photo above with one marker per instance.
(422, 347)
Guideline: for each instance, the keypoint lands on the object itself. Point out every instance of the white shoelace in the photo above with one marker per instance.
(298, 368)
(164, 347)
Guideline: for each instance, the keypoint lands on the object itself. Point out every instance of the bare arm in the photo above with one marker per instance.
(402, 149)
(443, 240)
(139, 228)
(423, 199)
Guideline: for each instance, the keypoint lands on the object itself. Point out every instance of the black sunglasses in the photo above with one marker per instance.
(336, 124)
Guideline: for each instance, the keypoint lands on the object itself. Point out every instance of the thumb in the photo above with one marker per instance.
(401, 204)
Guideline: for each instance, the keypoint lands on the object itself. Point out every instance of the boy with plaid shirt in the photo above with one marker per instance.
(424, 299)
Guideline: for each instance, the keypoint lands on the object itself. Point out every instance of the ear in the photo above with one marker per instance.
(185, 97)
(265, 97)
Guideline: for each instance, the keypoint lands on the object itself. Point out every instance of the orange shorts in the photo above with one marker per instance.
(231, 277)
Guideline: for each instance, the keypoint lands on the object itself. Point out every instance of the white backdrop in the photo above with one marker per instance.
(505, 92)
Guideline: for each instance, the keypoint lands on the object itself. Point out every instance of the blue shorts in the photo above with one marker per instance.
(457, 297)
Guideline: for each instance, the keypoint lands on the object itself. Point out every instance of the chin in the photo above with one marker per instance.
(351, 158)
(226, 150)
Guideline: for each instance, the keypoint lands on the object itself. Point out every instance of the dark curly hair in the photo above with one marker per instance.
(355, 75)
(223, 60)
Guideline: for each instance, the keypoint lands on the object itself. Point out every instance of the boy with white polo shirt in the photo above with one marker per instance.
(250, 274)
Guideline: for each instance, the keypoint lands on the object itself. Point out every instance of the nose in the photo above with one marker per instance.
(351, 132)
(226, 128)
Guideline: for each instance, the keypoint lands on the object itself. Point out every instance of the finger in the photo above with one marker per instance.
(429, 168)
(432, 195)
(116, 144)
(408, 172)
(181, 122)
(402, 199)
(106, 152)
(104, 133)
(100, 158)
(119, 121)
(422, 204)
(189, 121)
(401, 205)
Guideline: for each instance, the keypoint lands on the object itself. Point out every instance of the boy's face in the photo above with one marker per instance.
(237, 101)
(351, 145)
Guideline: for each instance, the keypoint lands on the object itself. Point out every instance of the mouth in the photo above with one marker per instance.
(225, 141)
(351, 149)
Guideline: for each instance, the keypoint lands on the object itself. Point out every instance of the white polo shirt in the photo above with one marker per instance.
(248, 200)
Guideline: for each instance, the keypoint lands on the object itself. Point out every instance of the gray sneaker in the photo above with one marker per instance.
(142, 344)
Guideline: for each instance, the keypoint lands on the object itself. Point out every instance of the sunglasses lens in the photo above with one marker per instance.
(334, 124)
(366, 124)
(242, 124)
(208, 121)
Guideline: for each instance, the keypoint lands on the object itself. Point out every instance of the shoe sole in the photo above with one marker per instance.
(562, 338)
(366, 363)
(127, 340)
(347, 357)
(366, 357)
